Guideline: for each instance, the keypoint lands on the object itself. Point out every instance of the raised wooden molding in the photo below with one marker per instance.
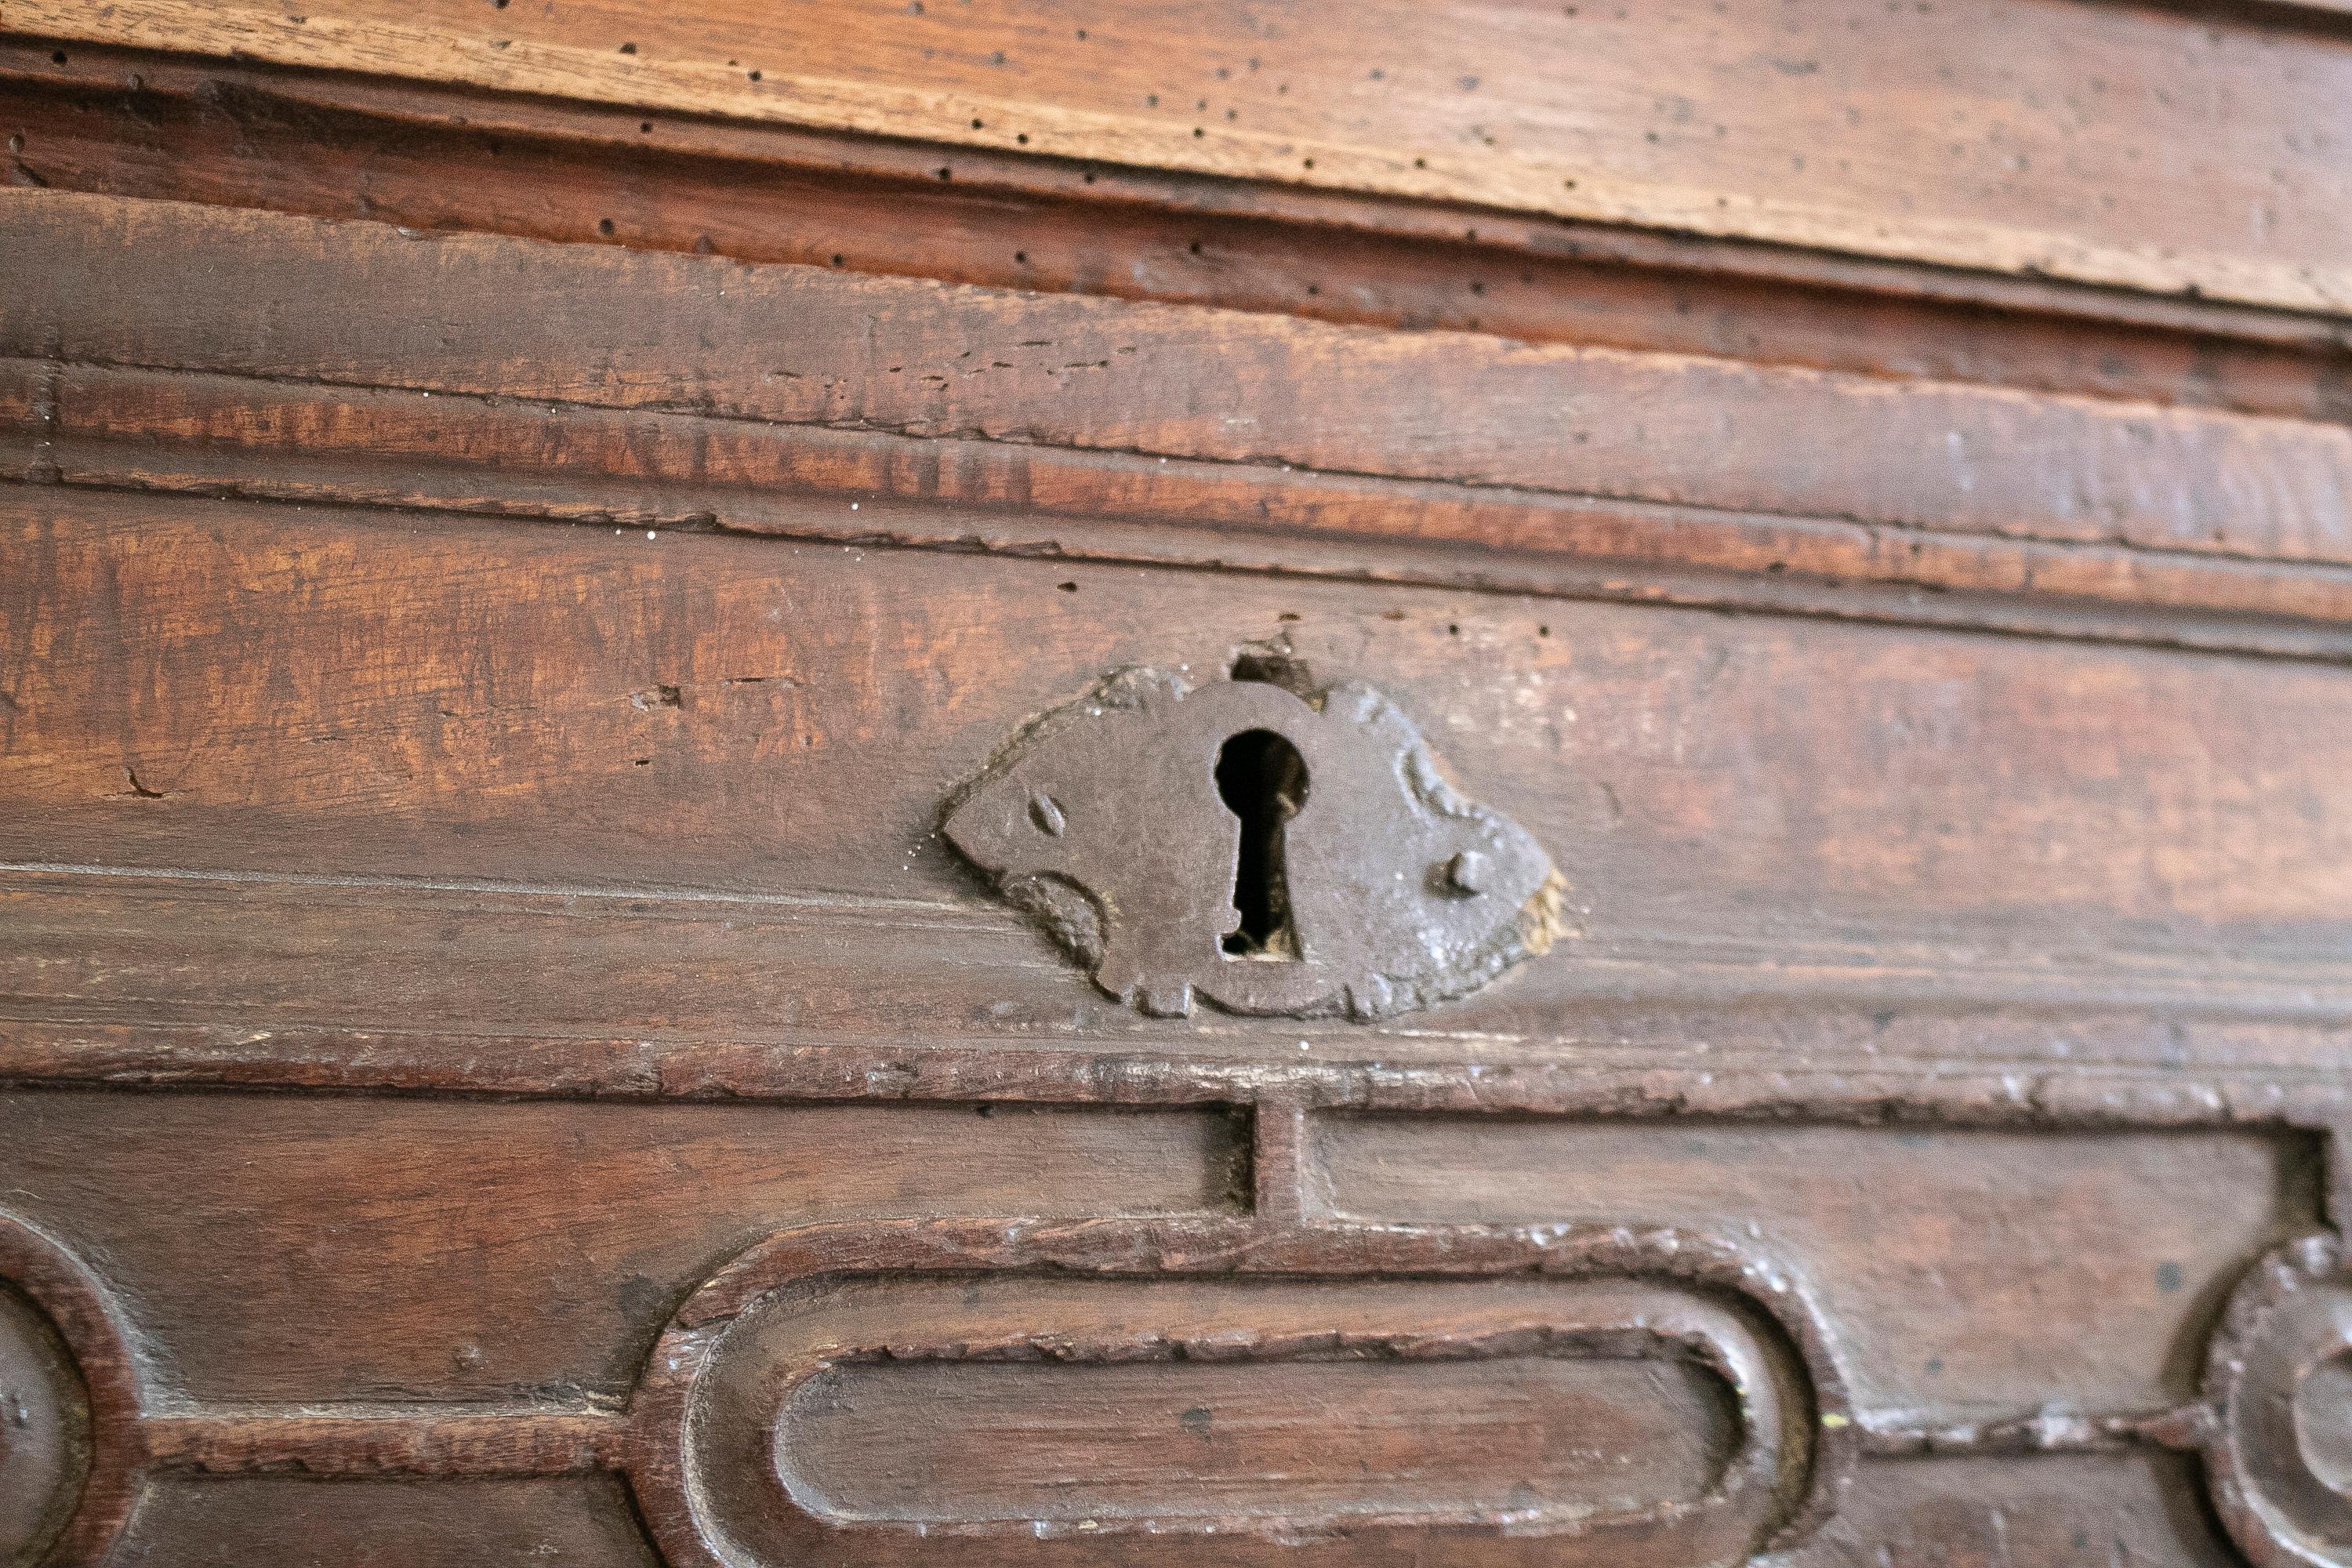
(2090, 517)
(1459, 105)
(1759, 1428)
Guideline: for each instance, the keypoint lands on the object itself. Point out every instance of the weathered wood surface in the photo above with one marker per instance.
(220, 686)
(2113, 519)
(352, 799)
(237, 133)
(2152, 148)
(498, 1064)
(797, 346)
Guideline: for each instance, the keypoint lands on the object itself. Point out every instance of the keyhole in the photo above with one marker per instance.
(1262, 779)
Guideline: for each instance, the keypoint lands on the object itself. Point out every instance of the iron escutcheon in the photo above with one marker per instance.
(1274, 851)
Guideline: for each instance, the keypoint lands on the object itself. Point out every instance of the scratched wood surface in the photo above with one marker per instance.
(513, 524)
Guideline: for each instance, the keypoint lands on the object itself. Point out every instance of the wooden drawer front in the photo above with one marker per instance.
(504, 1056)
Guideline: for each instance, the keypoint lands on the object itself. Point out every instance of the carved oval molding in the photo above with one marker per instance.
(1224, 1387)
(69, 1447)
(2279, 1381)
(45, 1438)
(1276, 852)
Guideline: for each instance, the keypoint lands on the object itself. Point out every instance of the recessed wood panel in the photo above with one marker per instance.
(327, 1248)
(1961, 1265)
(1232, 1393)
(2056, 1510)
(885, 1443)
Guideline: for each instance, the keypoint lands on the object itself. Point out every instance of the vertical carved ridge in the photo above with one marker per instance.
(1278, 1157)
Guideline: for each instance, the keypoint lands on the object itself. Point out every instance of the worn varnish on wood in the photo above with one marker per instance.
(533, 542)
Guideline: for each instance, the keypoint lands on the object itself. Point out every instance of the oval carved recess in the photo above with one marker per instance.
(69, 1406)
(2279, 1381)
(1233, 1391)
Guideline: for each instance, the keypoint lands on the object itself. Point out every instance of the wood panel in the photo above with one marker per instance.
(881, 1443)
(244, 436)
(355, 982)
(243, 134)
(210, 685)
(2068, 152)
(236, 1521)
(497, 317)
(515, 518)
(1982, 1512)
(334, 1249)
(1961, 1265)
(2068, 1511)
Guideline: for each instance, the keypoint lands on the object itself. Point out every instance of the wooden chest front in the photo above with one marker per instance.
(1429, 824)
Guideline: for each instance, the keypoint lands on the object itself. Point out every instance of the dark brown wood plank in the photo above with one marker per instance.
(240, 133)
(242, 436)
(495, 317)
(486, 1009)
(2087, 1511)
(2061, 154)
(1959, 1265)
(359, 982)
(315, 1249)
(298, 1522)
(211, 685)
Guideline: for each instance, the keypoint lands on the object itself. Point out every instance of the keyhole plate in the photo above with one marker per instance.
(1341, 875)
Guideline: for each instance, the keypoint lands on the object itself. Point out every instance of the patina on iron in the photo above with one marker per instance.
(1272, 847)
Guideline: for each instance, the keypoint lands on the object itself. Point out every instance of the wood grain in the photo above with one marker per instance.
(241, 134)
(1917, 1241)
(208, 685)
(512, 519)
(506, 319)
(298, 1522)
(313, 1250)
(2067, 1510)
(649, 993)
(881, 1444)
(2065, 154)
(218, 435)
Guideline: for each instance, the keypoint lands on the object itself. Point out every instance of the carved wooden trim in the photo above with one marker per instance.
(1365, 153)
(2277, 1437)
(941, 493)
(1330, 1076)
(299, 123)
(146, 407)
(103, 1363)
(1800, 1465)
(1806, 1434)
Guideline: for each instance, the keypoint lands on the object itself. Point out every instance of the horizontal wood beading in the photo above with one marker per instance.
(491, 317)
(1843, 126)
